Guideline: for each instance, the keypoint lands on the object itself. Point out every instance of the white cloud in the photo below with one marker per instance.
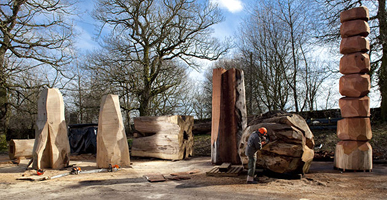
(231, 5)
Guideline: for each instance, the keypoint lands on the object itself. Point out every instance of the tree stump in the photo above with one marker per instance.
(20, 148)
(229, 116)
(290, 149)
(165, 137)
(112, 145)
(51, 147)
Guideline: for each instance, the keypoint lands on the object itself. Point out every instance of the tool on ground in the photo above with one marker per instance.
(40, 172)
(75, 170)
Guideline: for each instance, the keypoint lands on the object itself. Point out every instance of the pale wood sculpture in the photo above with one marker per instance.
(20, 148)
(51, 147)
(290, 149)
(229, 116)
(165, 137)
(354, 152)
(112, 145)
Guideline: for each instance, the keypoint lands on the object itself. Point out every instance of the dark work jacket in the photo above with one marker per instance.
(253, 144)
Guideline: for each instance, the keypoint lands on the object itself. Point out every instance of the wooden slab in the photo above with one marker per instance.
(354, 44)
(355, 63)
(154, 177)
(354, 27)
(354, 129)
(224, 167)
(355, 85)
(233, 171)
(355, 107)
(355, 13)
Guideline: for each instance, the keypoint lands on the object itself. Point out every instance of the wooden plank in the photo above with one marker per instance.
(154, 177)
(224, 167)
(232, 172)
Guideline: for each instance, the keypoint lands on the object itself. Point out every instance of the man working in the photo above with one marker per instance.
(256, 140)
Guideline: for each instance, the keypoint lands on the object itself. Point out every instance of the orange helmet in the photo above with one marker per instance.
(262, 130)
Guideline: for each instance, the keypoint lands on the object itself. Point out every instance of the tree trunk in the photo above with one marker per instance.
(21, 148)
(229, 117)
(353, 155)
(112, 144)
(165, 137)
(382, 17)
(51, 148)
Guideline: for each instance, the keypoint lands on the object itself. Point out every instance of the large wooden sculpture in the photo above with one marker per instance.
(112, 145)
(165, 137)
(354, 151)
(290, 150)
(228, 115)
(51, 148)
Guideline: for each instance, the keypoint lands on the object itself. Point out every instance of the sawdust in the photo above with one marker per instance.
(323, 182)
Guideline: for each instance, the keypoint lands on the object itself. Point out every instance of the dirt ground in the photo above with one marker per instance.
(322, 182)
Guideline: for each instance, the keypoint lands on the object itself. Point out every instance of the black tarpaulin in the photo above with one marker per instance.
(83, 138)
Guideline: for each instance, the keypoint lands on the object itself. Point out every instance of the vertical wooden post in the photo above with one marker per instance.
(354, 151)
(229, 116)
(51, 147)
(112, 144)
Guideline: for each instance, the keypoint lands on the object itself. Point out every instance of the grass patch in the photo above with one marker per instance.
(3, 144)
(202, 145)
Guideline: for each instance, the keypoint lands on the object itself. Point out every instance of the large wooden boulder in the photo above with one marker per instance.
(290, 149)
(51, 147)
(112, 144)
(165, 137)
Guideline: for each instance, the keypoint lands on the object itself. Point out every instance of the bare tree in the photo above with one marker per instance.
(35, 31)
(378, 36)
(148, 33)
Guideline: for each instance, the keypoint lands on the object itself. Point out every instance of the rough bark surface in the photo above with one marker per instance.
(290, 149)
(112, 144)
(165, 137)
(51, 147)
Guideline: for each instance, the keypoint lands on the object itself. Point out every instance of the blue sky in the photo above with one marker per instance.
(233, 11)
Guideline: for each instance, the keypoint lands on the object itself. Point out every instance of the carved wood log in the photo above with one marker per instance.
(230, 105)
(112, 144)
(290, 149)
(20, 148)
(355, 107)
(354, 129)
(355, 63)
(354, 28)
(168, 137)
(354, 85)
(354, 44)
(353, 155)
(354, 14)
(51, 147)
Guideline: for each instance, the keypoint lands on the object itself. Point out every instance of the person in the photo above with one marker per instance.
(256, 140)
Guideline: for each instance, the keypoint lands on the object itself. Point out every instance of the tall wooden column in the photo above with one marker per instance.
(112, 145)
(229, 117)
(354, 152)
(51, 147)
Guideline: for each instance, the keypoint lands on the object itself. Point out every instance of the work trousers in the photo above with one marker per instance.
(251, 165)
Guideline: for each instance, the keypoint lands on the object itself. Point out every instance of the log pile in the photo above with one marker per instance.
(354, 151)
(112, 144)
(51, 147)
(290, 149)
(229, 117)
(165, 137)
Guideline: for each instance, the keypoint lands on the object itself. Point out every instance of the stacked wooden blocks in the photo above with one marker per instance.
(354, 151)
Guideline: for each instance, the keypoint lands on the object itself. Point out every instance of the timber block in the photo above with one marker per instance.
(354, 28)
(355, 107)
(353, 155)
(354, 44)
(355, 13)
(354, 85)
(355, 63)
(354, 129)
